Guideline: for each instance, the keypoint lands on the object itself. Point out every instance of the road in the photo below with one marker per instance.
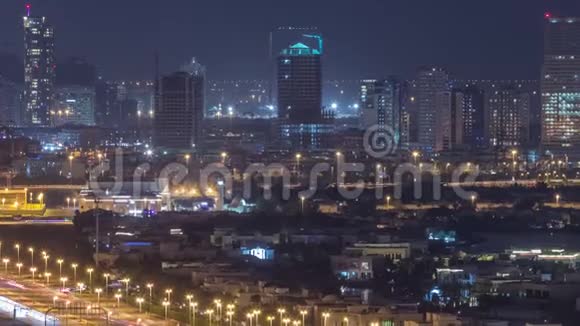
(34, 299)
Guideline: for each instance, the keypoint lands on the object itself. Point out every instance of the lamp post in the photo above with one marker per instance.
(80, 286)
(298, 157)
(118, 296)
(193, 311)
(106, 276)
(415, 156)
(5, 261)
(74, 267)
(388, 202)
(33, 271)
(47, 275)
(150, 287)
(302, 198)
(257, 313)
(140, 303)
(59, 262)
(168, 292)
(90, 271)
(209, 313)
(270, 320)
(303, 313)
(17, 247)
(281, 312)
(19, 266)
(31, 250)
(557, 199)
(165, 304)
(126, 281)
(63, 280)
(98, 292)
(45, 257)
(325, 316)
(250, 317)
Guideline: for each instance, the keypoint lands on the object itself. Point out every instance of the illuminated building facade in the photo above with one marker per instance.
(430, 82)
(508, 118)
(561, 86)
(303, 124)
(381, 106)
(179, 108)
(39, 70)
(74, 105)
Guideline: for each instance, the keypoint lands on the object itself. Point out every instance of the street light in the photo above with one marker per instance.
(45, 257)
(302, 198)
(5, 261)
(168, 292)
(303, 313)
(80, 286)
(98, 292)
(281, 312)
(270, 320)
(33, 271)
(558, 199)
(209, 312)
(47, 275)
(59, 262)
(325, 316)
(388, 202)
(74, 267)
(126, 281)
(257, 314)
(31, 250)
(90, 271)
(415, 156)
(286, 321)
(150, 287)
(140, 303)
(165, 304)
(63, 280)
(230, 315)
(298, 157)
(345, 320)
(17, 247)
(106, 276)
(118, 296)
(19, 266)
(250, 317)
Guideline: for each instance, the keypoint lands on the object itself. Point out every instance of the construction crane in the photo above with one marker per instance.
(317, 37)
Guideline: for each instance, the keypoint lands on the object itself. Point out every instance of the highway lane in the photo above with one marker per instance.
(40, 298)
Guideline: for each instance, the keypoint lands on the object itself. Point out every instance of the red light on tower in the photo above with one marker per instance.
(28, 9)
(547, 15)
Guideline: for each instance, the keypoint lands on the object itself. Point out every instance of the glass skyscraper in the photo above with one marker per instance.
(561, 87)
(39, 71)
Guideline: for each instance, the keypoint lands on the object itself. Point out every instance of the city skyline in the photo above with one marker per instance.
(392, 38)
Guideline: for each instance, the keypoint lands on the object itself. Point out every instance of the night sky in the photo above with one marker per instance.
(495, 39)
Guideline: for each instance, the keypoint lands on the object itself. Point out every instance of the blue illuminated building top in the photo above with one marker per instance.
(300, 49)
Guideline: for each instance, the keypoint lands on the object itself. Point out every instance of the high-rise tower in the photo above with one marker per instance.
(39, 70)
(561, 86)
(179, 102)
